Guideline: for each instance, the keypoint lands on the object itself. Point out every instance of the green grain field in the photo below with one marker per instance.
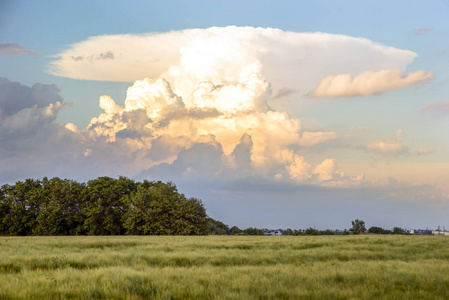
(225, 267)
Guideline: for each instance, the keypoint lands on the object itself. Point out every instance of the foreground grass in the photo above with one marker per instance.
(134, 267)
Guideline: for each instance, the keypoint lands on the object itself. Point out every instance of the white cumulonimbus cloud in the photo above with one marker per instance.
(289, 61)
(228, 131)
(214, 86)
(228, 115)
(200, 101)
(368, 83)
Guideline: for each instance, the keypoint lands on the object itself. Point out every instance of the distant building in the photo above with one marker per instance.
(276, 232)
(420, 231)
(440, 232)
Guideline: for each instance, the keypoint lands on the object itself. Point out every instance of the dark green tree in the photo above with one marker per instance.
(104, 208)
(288, 231)
(61, 207)
(190, 217)
(398, 230)
(252, 231)
(377, 230)
(161, 207)
(235, 230)
(137, 219)
(298, 232)
(5, 208)
(24, 202)
(327, 232)
(158, 209)
(312, 231)
(218, 228)
(358, 226)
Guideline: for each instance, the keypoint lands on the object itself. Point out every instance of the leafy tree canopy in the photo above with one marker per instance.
(378, 230)
(358, 226)
(103, 206)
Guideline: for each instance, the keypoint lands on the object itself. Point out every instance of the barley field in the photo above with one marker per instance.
(225, 267)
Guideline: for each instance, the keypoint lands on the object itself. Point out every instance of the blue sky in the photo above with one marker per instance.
(278, 110)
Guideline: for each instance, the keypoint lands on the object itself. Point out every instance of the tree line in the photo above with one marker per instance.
(103, 206)
(108, 206)
(358, 227)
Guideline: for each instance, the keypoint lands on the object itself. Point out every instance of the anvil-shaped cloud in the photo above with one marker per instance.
(287, 60)
(201, 100)
(206, 97)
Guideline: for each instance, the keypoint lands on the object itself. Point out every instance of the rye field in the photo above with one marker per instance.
(225, 267)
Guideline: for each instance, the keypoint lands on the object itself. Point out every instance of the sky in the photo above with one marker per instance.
(276, 114)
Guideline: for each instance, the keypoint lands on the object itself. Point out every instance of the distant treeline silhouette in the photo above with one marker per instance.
(103, 206)
(358, 227)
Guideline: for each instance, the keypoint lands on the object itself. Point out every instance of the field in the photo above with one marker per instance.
(225, 267)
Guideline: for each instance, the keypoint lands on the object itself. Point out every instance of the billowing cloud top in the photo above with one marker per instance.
(30, 139)
(200, 103)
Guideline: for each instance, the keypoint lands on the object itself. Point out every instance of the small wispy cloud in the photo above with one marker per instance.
(424, 151)
(368, 83)
(420, 31)
(389, 147)
(314, 138)
(284, 92)
(15, 49)
(365, 128)
(439, 107)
